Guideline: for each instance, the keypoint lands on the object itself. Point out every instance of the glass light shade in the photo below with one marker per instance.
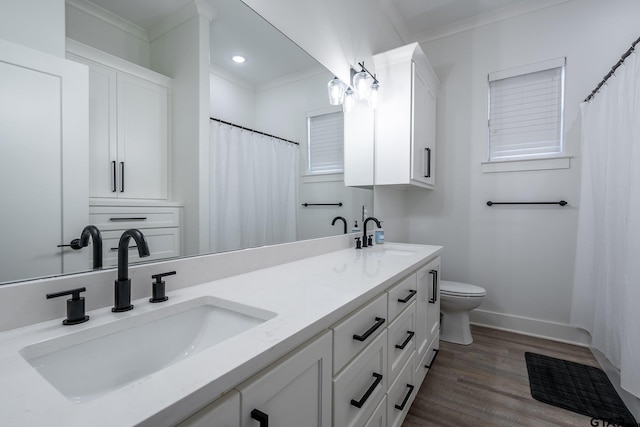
(336, 91)
(361, 84)
(374, 94)
(349, 100)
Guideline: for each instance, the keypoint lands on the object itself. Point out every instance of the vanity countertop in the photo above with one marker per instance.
(307, 296)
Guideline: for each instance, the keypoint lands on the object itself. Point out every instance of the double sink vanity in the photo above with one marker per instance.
(341, 337)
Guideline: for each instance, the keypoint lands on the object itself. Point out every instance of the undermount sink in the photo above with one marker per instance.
(90, 363)
(396, 249)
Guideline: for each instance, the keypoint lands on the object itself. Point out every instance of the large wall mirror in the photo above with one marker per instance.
(274, 91)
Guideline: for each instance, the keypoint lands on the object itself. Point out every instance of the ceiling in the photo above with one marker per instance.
(270, 55)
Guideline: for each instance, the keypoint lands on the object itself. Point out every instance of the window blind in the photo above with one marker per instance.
(326, 143)
(525, 115)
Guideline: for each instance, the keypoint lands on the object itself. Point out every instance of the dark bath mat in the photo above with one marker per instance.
(576, 387)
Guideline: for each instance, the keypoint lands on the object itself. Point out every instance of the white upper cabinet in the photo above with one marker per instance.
(405, 120)
(129, 127)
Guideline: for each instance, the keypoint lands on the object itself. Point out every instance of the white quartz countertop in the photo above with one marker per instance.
(307, 296)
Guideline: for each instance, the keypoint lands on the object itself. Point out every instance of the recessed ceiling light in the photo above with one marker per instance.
(238, 59)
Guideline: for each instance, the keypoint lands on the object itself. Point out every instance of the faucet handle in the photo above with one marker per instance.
(158, 288)
(75, 306)
(75, 244)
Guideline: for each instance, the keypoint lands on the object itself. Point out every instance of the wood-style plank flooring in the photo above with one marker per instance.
(486, 384)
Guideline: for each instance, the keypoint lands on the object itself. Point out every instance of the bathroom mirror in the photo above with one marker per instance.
(305, 82)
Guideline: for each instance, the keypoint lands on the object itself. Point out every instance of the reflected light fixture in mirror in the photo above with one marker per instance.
(349, 100)
(336, 91)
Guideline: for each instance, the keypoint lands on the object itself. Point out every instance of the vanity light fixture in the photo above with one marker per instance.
(365, 89)
(349, 100)
(336, 91)
(238, 59)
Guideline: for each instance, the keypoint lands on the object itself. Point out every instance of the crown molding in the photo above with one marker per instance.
(110, 18)
(182, 15)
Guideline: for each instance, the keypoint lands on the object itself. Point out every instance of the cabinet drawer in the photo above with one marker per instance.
(162, 242)
(401, 295)
(379, 417)
(355, 332)
(401, 394)
(426, 360)
(124, 217)
(362, 382)
(402, 340)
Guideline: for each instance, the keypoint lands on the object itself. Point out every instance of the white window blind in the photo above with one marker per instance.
(326, 143)
(525, 114)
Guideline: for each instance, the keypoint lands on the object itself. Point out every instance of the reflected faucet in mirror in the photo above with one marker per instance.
(364, 229)
(343, 220)
(90, 231)
(122, 296)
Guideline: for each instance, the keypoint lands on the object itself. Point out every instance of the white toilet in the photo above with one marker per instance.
(456, 301)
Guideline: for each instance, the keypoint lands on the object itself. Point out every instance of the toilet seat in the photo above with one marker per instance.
(460, 289)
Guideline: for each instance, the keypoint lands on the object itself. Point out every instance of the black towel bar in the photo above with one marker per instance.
(561, 203)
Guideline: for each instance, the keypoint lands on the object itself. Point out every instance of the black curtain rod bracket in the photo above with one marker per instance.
(253, 130)
(561, 203)
(613, 70)
(321, 204)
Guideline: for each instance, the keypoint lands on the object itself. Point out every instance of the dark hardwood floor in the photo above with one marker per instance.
(486, 384)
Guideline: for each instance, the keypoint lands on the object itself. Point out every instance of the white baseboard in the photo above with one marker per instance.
(533, 327)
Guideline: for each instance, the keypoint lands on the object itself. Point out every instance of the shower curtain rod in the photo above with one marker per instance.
(253, 130)
(613, 70)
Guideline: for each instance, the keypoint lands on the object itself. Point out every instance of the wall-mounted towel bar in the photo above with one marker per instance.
(322, 204)
(561, 203)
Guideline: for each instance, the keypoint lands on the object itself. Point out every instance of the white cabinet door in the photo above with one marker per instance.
(142, 138)
(428, 308)
(43, 134)
(224, 412)
(296, 392)
(422, 130)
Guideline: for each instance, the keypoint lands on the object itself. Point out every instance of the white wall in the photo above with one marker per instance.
(38, 24)
(231, 100)
(105, 36)
(523, 256)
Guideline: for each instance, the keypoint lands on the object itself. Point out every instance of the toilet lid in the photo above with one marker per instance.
(459, 288)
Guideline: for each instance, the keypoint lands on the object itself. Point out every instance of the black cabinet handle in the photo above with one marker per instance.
(114, 187)
(122, 177)
(434, 286)
(260, 417)
(359, 403)
(412, 292)
(428, 162)
(434, 358)
(130, 247)
(406, 398)
(410, 335)
(379, 322)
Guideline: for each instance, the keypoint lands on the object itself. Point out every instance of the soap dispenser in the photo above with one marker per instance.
(355, 228)
(379, 235)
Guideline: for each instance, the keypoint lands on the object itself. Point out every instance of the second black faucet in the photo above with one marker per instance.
(122, 298)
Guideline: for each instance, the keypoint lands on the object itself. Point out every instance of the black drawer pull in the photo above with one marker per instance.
(359, 403)
(406, 341)
(434, 358)
(434, 286)
(131, 218)
(412, 292)
(130, 247)
(379, 322)
(406, 398)
(260, 417)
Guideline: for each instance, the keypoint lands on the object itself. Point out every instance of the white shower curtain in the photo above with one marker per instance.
(606, 293)
(253, 189)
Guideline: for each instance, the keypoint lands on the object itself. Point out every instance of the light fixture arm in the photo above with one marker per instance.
(373, 76)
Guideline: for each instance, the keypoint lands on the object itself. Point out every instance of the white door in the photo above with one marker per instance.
(43, 148)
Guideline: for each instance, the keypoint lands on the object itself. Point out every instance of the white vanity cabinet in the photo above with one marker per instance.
(428, 316)
(129, 125)
(405, 123)
(294, 392)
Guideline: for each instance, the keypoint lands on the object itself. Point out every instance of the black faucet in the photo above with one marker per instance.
(93, 232)
(364, 229)
(343, 220)
(122, 300)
